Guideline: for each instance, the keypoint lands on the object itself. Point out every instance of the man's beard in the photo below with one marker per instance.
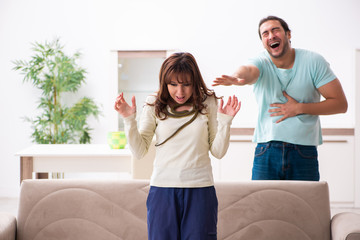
(285, 49)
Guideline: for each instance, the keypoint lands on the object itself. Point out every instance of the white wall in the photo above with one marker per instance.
(221, 35)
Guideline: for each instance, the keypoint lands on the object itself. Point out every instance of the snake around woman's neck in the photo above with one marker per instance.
(180, 114)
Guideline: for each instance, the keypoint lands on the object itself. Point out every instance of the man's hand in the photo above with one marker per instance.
(289, 109)
(246, 74)
(226, 80)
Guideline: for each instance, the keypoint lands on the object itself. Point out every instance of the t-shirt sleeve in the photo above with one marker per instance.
(322, 73)
(258, 62)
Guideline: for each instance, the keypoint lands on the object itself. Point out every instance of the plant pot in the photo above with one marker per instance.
(116, 140)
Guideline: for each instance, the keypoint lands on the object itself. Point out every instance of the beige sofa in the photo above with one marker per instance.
(114, 210)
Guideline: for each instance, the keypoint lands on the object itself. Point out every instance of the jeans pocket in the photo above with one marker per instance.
(261, 149)
(309, 152)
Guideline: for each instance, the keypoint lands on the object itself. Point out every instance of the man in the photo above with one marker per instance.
(288, 83)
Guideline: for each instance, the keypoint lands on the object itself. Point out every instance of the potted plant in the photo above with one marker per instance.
(55, 73)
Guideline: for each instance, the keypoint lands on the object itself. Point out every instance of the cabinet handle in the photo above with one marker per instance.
(335, 141)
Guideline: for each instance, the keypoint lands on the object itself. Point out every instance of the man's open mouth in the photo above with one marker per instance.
(274, 44)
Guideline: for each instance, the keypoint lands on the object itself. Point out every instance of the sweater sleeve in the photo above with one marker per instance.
(139, 139)
(219, 130)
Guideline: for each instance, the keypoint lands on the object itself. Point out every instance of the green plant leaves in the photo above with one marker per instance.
(54, 72)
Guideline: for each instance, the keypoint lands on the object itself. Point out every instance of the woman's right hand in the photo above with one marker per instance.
(123, 108)
(231, 108)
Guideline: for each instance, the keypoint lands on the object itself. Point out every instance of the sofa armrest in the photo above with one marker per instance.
(7, 226)
(345, 226)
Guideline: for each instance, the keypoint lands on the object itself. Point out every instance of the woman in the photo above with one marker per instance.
(187, 123)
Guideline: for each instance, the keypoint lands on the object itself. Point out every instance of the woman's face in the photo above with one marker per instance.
(180, 92)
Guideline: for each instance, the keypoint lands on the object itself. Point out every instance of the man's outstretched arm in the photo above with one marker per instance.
(247, 74)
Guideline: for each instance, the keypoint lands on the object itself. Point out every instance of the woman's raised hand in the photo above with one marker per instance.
(231, 108)
(123, 108)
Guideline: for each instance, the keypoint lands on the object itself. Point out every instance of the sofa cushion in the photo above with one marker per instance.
(7, 226)
(82, 209)
(273, 210)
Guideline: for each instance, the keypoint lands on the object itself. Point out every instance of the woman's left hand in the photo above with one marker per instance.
(231, 108)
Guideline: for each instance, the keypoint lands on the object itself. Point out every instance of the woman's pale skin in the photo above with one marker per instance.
(180, 93)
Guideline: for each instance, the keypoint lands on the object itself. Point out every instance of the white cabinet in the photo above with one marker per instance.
(138, 75)
(336, 165)
(236, 165)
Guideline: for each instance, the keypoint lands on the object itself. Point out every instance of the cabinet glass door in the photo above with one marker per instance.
(138, 75)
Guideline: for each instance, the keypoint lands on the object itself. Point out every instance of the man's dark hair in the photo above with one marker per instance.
(268, 18)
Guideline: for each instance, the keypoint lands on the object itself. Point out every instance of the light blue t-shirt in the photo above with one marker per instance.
(310, 71)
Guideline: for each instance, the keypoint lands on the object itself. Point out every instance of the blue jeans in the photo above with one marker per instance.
(182, 213)
(277, 160)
